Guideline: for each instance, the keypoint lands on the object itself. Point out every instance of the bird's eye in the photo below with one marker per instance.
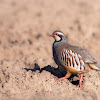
(56, 34)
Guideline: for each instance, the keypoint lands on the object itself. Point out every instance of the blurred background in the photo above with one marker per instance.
(25, 26)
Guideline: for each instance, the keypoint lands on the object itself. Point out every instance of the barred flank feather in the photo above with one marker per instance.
(72, 59)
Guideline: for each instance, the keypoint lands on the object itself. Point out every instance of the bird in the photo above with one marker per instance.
(74, 59)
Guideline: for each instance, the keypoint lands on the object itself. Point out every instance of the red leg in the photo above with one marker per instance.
(59, 79)
(65, 77)
(80, 80)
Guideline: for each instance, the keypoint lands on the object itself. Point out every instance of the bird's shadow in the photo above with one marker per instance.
(58, 72)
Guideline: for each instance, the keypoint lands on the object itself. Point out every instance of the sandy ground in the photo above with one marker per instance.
(27, 69)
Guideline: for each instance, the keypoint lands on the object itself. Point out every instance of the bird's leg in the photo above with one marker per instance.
(59, 79)
(80, 80)
(65, 77)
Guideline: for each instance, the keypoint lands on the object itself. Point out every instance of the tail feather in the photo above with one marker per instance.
(95, 66)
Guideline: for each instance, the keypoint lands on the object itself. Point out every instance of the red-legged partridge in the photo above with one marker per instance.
(74, 59)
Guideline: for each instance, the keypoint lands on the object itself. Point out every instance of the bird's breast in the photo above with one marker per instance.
(56, 56)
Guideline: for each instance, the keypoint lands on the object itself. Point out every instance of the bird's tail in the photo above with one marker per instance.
(95, 66)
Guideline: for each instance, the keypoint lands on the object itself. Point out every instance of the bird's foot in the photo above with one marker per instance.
(80, 85)
(59, 79)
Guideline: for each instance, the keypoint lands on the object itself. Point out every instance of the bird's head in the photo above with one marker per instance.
(57, 35)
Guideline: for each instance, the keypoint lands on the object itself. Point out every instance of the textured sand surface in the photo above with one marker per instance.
(27, 70)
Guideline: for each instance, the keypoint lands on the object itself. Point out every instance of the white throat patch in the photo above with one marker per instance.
(57, 38)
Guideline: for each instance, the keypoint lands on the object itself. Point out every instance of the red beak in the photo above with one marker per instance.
(51, 35)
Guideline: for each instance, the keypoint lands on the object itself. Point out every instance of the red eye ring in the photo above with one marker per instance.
(56, 34)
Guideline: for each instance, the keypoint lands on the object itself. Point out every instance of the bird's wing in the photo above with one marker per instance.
(88, 58)
(73, 60)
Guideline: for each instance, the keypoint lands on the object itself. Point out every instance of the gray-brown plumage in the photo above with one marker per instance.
(74, 59)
